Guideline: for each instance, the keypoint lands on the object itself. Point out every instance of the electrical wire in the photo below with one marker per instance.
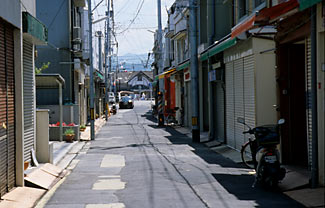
(97, 6)
(56, 14)
(132, 21)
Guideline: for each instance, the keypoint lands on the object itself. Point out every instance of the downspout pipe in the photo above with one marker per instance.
(313, 36)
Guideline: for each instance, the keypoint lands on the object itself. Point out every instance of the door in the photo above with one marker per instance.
(7, 109)
(230, 99)
(29, 95)
(249, 93)
(239, 101)
(205, 97)
(218, 110)
(291, 81)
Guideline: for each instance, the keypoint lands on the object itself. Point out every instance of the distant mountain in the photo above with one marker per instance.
(134, 62)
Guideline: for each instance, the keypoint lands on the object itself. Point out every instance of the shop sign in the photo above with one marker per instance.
(187, 75)
(212, 75)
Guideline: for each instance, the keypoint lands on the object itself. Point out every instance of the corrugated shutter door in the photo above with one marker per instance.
(7, 109)
(308, 100)
(220, 112)
(230, 110)
(239, 101)
(11, 108)
(29, 106)
(3, 115)
(249, 92)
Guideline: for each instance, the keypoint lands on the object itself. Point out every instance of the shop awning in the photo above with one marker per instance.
(243, 26)
(183, 65)
(217, 48)
(99, 75)
(264, 16)
(34, 29)
(222, 46)
(162, 75)
(304, 4)
(204, 56)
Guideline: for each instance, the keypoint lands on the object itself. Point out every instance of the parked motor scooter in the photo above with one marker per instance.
(264, 154)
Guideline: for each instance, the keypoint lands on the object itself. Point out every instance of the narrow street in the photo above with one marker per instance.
(134, 164)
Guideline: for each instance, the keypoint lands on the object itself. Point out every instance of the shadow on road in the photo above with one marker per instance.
(238, 185)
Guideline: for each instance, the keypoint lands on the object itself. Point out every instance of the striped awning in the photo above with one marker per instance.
(165, 73)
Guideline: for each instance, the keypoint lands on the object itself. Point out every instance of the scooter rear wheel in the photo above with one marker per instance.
(246, 155)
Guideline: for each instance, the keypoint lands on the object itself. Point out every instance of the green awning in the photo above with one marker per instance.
(34, 29)
(204, 56)
(218, 48)
(98, 74)
(222, 46)
(183, 66)
(154, 83)
(304, 4)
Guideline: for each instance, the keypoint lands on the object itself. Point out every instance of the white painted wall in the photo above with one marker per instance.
(10, 12)
(30, 6)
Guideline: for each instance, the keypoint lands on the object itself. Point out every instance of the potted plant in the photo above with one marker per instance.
(82, 128)
(69, 135)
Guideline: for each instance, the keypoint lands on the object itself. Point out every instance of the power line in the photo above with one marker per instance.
(132, 21)
(97, 6)
(56, 14)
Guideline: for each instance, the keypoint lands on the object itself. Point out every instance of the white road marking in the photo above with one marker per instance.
(109, 184)
(113, 161)
(113, 205)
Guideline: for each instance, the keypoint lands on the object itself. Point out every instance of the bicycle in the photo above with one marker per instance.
(248, 153)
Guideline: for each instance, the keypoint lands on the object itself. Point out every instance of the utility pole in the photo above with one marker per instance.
(92, 112)
(160, 69)
(107, 54)
(194, 71)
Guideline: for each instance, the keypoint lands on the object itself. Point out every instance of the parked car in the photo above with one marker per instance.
(126, 102)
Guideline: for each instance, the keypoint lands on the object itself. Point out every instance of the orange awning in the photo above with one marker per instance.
(264, 17)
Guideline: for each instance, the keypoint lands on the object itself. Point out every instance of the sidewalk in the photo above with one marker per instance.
(45, 176)
(295, 185)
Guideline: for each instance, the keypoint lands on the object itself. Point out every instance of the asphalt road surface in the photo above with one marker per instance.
(134, 164)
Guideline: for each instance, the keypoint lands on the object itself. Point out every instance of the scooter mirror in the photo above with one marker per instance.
(281, 121)
(241, 120)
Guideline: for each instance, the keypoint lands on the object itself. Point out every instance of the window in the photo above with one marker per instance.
(140, 77)
(242, 8)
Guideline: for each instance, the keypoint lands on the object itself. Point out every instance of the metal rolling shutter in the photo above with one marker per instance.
(3, 115)
(220, 112)
(29, 106)
(230, 110)
(11, 108)
(308, 100)
(239, 101)
(7, 109)
(249, 92)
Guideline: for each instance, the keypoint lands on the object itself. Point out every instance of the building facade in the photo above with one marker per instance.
(20, 31)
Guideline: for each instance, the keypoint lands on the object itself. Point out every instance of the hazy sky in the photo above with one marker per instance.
(137, 39)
